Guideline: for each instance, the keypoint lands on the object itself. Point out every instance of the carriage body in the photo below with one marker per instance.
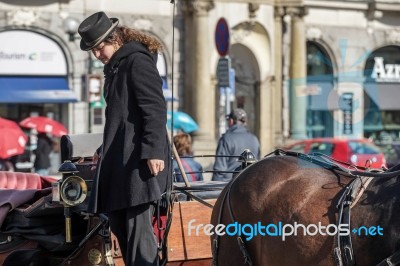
(178, 247)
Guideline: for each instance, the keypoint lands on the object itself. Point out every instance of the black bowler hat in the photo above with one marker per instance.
(95, 29)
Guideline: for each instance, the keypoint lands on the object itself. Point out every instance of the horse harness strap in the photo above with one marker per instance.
(343, 251)
(241, 243)
(359, 189)
(391, 261)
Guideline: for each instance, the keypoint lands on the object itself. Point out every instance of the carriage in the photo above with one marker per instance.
(86, 238)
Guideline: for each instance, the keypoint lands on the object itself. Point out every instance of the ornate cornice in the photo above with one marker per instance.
(393, 35)
(197, 7)
(279, 12)
(22, 17)
(296, 12)
(314, 33)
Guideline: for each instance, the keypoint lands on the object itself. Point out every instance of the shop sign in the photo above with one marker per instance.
(346, 104)
(309, 89)
(223, 67)
(25, 52)
(385, 72)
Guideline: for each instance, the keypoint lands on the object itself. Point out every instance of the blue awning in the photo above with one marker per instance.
(166, 91)
(35, 90)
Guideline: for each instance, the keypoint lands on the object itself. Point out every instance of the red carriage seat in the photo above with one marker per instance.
(22, 181)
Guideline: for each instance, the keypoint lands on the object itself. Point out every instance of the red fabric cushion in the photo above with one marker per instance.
(162, 223)
(15, 180)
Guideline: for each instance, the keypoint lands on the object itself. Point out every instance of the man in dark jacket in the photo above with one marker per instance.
(133, 169)
(42, 154)
(235, 140)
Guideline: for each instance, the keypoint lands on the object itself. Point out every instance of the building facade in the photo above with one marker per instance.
(352, 69)
(302, 68)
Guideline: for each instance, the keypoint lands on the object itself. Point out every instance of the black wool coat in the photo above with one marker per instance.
(42, 152)
(135, 130)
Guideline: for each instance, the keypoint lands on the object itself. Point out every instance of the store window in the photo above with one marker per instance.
(381, 94)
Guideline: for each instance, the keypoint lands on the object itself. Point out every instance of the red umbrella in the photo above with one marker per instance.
(12, 142)
(8, 123)
(44, 125)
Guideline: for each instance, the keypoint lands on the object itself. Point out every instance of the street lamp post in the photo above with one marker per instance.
(71, 28)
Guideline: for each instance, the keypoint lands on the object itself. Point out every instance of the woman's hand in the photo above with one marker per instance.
(155, 166)
(95, 159)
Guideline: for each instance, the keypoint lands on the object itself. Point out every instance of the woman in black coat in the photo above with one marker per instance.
(134, 163)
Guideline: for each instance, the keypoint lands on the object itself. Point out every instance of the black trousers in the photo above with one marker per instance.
(134, 231)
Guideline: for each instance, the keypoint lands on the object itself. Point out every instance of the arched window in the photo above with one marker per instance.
(318, 61)
(319, 84)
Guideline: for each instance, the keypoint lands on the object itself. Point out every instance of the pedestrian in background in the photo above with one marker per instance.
(42, 154)
(183, 145)
(6, 165)
(235, 140)
(134, 160)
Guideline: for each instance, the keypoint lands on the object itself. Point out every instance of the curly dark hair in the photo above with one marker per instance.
(122, 35)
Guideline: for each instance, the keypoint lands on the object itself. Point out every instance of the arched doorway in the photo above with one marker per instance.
(320, 83)
(250, 53)
(246, 82)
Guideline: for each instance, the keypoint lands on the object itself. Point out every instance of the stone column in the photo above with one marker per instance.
(199, 90)
(298, 74)
(277, 94)
(264, 103)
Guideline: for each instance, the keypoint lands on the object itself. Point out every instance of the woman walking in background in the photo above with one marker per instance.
(183, 145)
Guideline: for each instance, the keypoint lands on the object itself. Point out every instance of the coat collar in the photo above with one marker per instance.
(124, 51)
(237, 128)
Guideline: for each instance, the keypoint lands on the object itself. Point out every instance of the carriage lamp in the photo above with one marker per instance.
(67, 169)
(71, 190)
(247, 158)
